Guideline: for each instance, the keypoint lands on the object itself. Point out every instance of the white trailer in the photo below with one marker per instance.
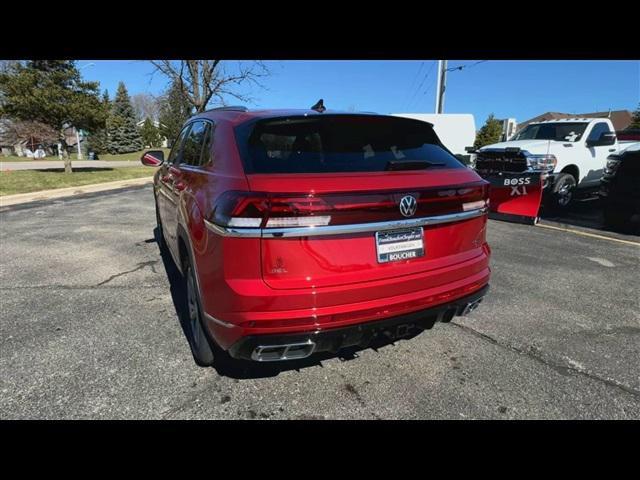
(456, 131)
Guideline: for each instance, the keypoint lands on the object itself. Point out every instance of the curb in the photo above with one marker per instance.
(20, 198)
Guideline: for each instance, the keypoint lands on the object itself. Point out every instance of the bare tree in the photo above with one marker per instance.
(33, 132)
(5, 65)
(145, 105)
(202, 81)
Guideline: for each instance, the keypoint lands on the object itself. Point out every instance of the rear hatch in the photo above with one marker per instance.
(327, 191)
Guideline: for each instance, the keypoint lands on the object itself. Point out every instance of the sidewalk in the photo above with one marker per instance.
(45, 164)
(19, 198)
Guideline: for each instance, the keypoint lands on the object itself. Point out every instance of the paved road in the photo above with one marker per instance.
(46, 164)
(88, 329)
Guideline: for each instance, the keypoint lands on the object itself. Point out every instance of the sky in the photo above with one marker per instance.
(509, 89)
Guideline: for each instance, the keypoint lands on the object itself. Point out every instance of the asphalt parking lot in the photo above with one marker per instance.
(88, 329)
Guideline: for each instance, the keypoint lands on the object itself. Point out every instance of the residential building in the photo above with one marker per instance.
(156, 123)
(621, 119)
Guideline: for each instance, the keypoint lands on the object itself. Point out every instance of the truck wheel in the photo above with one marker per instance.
(562, 192)
(198, 339)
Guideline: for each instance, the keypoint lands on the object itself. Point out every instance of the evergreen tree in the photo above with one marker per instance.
(635, 121)
(99, 140)
(175, 109)
(150, 135)
(490, 132)
(50, 92)
(122, 131)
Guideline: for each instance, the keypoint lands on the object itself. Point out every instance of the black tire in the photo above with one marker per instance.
(159, 232)
(562, 192)
(198, 339)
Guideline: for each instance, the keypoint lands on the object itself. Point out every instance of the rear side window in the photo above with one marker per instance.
(207, 146)
(192, 146)
(558, 131)
(339, 143)
(598, 129)
(175, 150)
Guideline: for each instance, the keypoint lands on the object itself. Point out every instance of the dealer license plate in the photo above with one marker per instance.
(397, 245)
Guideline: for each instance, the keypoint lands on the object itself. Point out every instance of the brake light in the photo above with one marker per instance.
(254, 210)
(264, 210)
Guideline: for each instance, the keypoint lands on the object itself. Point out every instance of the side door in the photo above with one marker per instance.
(167, 206)
(181, 175)
(196, 181)
(595, 156)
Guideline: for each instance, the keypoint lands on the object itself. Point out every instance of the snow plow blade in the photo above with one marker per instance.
(515, 197)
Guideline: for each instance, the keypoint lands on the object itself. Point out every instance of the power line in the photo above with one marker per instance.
(424, 79)
(413, 83)
(460, 67)
(433, 84)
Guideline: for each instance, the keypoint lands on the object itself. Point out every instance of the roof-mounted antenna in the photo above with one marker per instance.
(319, 107)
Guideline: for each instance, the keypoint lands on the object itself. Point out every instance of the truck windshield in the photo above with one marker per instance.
(341, 143)
(561, 132)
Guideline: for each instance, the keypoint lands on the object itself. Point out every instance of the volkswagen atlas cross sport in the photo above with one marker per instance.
(304, 231)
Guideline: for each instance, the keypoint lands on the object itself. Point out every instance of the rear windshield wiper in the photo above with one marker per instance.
(412, 165)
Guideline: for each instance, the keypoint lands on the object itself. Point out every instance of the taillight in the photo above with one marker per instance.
(247, 209)
(264, 210)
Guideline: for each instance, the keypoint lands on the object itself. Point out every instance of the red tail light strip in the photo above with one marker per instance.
(343, 229)
(256, 214)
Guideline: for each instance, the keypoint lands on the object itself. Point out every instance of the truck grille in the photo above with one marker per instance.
(490, 162)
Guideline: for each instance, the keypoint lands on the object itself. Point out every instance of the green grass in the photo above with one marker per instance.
(24, 181)
(133, 156)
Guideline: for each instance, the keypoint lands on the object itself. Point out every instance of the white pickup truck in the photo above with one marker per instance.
(570, 153)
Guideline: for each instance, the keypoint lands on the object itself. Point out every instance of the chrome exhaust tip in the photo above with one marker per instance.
(470, 307)
(289, 351)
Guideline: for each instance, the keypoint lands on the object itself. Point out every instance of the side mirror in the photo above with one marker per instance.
(606, 138)
(152, 158)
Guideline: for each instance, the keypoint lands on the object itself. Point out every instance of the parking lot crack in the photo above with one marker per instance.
(189, 400)
(564, 369)
(140, 266)
(72, 287)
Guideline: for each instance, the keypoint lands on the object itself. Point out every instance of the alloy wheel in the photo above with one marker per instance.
(565, 193)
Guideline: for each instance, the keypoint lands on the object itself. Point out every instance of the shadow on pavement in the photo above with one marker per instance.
(75, 169)
(239, 369)
(587, 213)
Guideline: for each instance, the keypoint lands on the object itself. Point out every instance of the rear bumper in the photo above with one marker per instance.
(361, 334)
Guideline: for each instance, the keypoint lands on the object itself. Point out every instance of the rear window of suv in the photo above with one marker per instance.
(339, 143)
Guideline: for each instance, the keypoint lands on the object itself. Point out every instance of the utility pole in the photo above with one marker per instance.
(439, 75)
(78, 140)
(441, 85)
(78, 130)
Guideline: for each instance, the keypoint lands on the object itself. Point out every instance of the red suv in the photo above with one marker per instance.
(301, 231)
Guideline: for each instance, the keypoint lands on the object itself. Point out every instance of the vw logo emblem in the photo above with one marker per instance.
(408, 206)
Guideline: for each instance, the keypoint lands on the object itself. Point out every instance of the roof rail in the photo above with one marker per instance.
(235, 108)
